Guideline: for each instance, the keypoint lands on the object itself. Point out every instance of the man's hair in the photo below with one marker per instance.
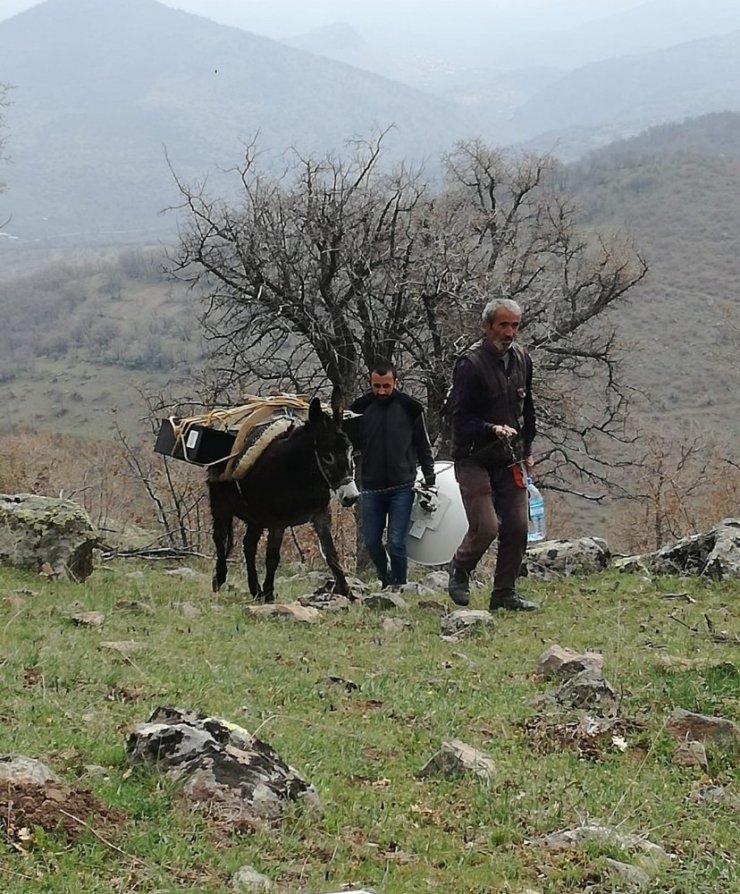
(491, 309)
(383, 367)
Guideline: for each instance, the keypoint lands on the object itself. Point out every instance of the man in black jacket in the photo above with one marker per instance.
(493, 426)
(392, 435)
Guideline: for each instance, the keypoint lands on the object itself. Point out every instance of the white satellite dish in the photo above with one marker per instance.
(434, 536)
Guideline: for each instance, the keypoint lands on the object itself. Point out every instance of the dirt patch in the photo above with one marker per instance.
(56, 808)
(586, 740)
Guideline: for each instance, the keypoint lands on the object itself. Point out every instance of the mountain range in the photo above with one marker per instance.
(112, 99)
(107, 95)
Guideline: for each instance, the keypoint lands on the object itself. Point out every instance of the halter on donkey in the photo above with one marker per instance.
(289, 483)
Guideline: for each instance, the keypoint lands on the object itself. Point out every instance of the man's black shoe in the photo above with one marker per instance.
(459, 585)
(511, 601)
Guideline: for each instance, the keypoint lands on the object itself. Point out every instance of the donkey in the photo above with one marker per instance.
(289, 484)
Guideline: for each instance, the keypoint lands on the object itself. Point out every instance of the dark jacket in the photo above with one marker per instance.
(485, 392)
(392, 436)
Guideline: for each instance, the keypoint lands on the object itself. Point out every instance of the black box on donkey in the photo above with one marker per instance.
(196, 443)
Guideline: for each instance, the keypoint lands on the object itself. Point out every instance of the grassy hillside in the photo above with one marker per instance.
(675, 189)
(81, 334)
(72, 704)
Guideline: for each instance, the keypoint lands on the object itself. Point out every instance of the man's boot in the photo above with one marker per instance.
(511, 601)
(459, 585)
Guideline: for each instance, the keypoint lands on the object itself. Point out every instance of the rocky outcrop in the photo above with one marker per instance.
(557, 558)
(224, 770)
(46, 534)
(714, 554)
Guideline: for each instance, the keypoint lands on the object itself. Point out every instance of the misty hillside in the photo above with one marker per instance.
(79, 335)
(631, 93)
(675, 188)
(103, 89)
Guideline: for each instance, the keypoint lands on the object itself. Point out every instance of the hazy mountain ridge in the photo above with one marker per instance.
(635, 92)
(102, 89)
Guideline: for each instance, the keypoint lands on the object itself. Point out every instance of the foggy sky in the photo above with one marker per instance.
(288, 17)
(493, 34)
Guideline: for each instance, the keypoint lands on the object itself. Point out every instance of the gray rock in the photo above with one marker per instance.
(557, 558)
(456, 758)
(189, 611)
(384, 601)
(716, 794)
(562, 663)
(88, 619)
(689, 726)
(43, 533)
(691, 754)
(436, 580)
(224, 770)
(465, 621)
(395, 625)
(631, 564)
(588, 689)
(714, 554)
(633, 875)
(184, 572)
(325, 602)
(570, 838)
(247, 880)
(19, 769)
(291, 611)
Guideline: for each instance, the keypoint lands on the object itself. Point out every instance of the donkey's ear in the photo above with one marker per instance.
(337, 404)
(315, 413)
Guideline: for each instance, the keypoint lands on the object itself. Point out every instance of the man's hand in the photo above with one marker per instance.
(427, 497)
(503, 431)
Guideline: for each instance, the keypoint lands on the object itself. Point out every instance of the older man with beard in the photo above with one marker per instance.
(493, 426)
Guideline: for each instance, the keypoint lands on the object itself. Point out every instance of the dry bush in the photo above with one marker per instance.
(122, 484)
(112, 480)
(680, 488)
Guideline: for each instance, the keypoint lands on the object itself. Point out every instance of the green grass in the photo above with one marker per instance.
(69, 704)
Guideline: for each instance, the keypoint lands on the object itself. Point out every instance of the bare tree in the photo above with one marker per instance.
(339, 261)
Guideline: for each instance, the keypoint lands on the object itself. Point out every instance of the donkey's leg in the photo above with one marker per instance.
(223, 539)
(322, 525)
(272, 560)
(251, 539)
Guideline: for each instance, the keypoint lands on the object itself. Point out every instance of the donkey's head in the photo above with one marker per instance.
(332, 448)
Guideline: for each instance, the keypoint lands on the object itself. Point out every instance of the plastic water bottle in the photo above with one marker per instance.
(536, 513)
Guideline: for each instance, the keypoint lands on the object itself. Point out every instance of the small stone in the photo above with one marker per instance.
(20, 769)
(563, 663)
(88, 619)
(455, 758)
(631, 874)
(466, 621)
(691, 754)
(247, 880)
(701, 727)
(395, 625)
(291, 611)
